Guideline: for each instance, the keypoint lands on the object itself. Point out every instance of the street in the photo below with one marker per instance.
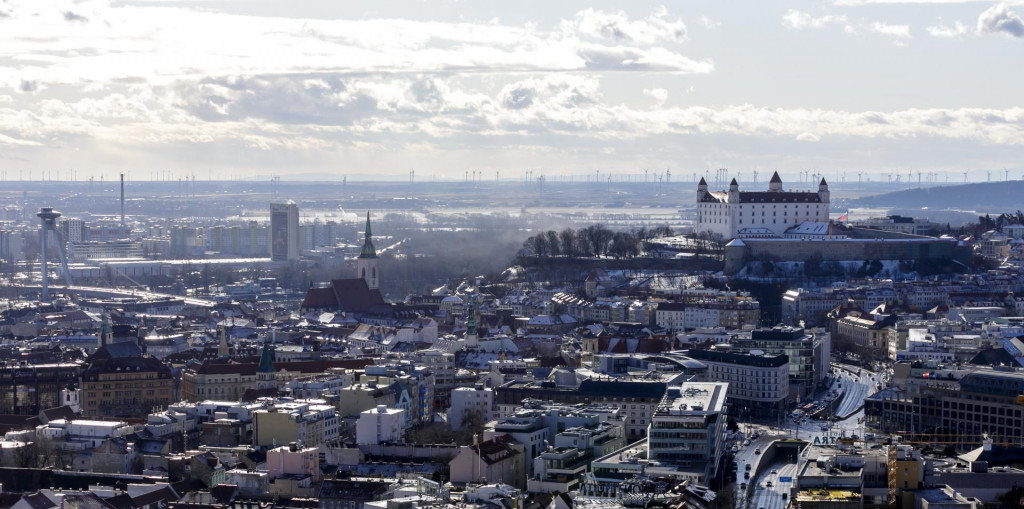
(855, 388)
(782, 483)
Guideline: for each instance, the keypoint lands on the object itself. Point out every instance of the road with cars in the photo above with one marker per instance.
(848, 422)
(750, 454)
(774, 486)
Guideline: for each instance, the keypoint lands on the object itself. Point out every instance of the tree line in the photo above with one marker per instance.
(595, 240)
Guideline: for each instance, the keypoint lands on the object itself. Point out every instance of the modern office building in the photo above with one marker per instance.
(688, 429)
(952, 402)
(758, 384)
(284, 231)
(808, 354)
(637, 399)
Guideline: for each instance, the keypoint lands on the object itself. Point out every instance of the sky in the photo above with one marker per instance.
(165, 89)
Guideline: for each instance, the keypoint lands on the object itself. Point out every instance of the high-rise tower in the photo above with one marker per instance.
(368, 265)
(284, 231)
(48, 216)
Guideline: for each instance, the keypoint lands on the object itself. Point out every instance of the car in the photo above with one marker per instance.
(746, 475)
(748, 467)
(755, 435)
(743, 486)
(855, 436)
(746, 442)
(757, 451)
(785, 496)
(768, 484)
(775, 472)
(824, 427)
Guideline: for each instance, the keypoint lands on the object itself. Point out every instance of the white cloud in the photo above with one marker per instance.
(897, 31)
(948, 32)
(71, 43)
(799, 20)
(618, 27)
(660, 95)
(999, 18)
(708, 23)
(317, 112)
(923, 2)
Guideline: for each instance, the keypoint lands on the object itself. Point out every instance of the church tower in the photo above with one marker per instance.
(106, 332)
(472, 340)
(223, 351)
(823, 191)
(265, 374)
(368, 265)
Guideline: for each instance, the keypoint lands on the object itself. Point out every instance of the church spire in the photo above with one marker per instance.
(266, 359)
(368, 249)
(471, 339)
(223, 350)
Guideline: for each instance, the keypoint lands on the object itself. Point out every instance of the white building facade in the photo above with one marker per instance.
(729, 213)
(468, 402)
(381, 425)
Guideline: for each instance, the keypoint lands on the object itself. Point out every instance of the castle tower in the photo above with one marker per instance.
(775, 184)
(368, 265)
(734, 192)
(702, 189)
(823, 190)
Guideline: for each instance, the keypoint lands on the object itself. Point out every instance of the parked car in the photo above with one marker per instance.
(757, 451)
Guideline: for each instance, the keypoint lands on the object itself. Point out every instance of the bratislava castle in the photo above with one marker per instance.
(749, 213)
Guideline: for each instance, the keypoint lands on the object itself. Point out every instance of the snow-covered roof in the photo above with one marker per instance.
(809, 228)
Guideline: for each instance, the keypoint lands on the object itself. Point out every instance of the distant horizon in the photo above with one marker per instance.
(907, 179)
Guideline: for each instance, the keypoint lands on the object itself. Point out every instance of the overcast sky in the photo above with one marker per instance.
(373, 88)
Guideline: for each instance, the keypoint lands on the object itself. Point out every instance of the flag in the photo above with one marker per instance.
(844, 217)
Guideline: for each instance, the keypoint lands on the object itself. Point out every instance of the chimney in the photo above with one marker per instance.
(124, 230)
